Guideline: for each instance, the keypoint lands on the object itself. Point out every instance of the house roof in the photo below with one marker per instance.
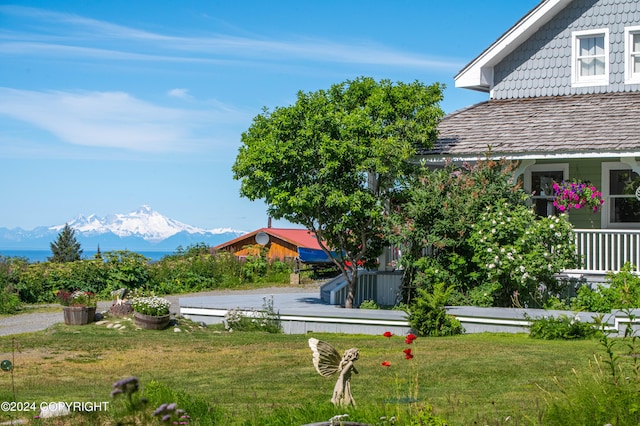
(478, 74)
(581, 126)
(297, 237)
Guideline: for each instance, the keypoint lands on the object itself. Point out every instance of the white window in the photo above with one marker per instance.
(632, 55)
(621, 207)
(590, 64)
(538, 181)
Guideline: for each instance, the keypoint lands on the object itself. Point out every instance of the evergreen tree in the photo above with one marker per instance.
(66, 248)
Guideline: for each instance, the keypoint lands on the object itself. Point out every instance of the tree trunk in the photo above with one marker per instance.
(352, 284)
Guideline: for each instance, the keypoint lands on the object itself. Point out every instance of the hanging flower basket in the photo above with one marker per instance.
(576, 194)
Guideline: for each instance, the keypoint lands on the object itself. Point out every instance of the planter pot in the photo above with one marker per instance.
(78, 315)
(150, 322)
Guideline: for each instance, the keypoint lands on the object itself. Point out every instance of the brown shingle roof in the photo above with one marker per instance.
(588, 124)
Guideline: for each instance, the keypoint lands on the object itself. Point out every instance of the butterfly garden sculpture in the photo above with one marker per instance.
(328, 361)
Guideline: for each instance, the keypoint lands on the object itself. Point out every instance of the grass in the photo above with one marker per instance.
(255, 378)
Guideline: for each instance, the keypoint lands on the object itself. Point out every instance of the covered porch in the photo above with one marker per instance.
(606, 250)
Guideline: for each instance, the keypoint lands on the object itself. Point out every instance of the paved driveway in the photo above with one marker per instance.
(30, 322)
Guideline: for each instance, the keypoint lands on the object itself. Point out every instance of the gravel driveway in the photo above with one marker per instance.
(30, 322)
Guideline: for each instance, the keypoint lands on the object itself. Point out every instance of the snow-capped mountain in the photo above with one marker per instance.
(143, 229)
(144, 223)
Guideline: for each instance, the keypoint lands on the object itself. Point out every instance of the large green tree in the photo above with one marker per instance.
(66, 248)
(331, 161)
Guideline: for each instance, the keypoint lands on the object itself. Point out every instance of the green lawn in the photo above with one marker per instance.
(255, 378)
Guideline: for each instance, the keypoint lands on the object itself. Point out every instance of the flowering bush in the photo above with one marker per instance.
(575, 195)
(77, 298)
(151, 305)
(517, 255)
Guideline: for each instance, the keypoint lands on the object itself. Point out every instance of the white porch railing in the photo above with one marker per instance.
(601, 251)
(604, 250)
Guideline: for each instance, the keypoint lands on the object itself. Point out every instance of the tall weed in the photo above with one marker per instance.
(608, 395)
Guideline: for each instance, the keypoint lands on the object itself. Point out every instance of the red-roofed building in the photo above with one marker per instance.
(282, 243)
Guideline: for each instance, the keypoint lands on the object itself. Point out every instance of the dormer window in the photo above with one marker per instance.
(632, 55)
(590, 66)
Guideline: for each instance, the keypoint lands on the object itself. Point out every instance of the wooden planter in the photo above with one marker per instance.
(78, 315)
(150, 322)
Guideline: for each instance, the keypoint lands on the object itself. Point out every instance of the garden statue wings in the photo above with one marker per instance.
(328, 361)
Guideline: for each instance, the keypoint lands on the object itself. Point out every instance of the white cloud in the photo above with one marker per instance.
(83, 36)
(180, 93)
(114, 120)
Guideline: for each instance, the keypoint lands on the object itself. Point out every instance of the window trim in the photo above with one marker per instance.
(549, 167)
(629, 76)
(606, 223)
(599, 80)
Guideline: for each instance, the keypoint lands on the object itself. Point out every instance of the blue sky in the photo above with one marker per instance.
(106, 106)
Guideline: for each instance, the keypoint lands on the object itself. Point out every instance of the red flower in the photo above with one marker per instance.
(408, 354)
(387, 334)
(410, 338)
(386, 364)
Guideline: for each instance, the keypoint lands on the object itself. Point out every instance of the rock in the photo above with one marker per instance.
(54, 409)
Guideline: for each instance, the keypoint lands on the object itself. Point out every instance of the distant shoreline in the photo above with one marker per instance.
(42, 255)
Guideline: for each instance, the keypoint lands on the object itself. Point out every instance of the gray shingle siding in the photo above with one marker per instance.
(541, 66)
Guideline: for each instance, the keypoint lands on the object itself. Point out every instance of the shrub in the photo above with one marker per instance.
(562, 327)
(10, 268)
(471, 227)
(621, 292)
(519, 254)
(369, 304)
(125, 269)
(266, 319)
(195, 269)
(9, 301)
(428, 316)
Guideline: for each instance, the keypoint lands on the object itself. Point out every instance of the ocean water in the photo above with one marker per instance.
(42, 255)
